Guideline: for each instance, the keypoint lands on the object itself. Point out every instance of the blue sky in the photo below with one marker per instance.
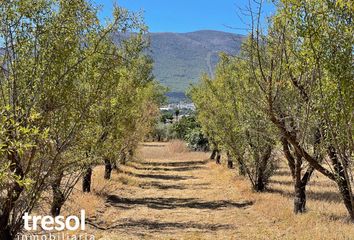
(186, 15)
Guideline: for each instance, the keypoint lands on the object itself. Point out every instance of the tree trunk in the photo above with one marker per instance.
(289, 157)
(13, 195)
(241, 167)
(218, 157)
(86, 182)
(114, 165)
(213, 154)
(300, 184)
(58, 196)
(342, 181)
(259, 186)
(123, 157)
(130, 154)
(295, 166)
(230, 164)
(300, 198)
(108, 169)
(300, 191)
(340, 176)
(262, 180)
(5, 233)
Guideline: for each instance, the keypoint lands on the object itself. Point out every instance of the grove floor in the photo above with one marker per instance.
(170, 193)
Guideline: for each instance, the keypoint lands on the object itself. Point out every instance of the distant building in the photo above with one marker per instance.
(180, 106)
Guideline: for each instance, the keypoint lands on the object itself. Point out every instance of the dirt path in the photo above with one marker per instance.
(170, 197)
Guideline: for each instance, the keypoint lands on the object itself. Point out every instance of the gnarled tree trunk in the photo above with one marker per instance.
(130, 155)
(261, 179)
(218, 157)
(295, 166)
(230, 163)
(340, 176)
(12, 196)
(213, 154)
(300, 190)
(241, 166)
(58, 196)
(123, 157)
(5, 233)
(107, 169)
(342, 181)
(86, 182)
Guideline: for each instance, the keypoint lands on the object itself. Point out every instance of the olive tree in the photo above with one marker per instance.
(303, 67)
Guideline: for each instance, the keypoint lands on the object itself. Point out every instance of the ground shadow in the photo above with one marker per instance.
(176, 169)
(282, 172)
(157, 176)
(174, 164)
(173, 203)
(311, 183)
(325, 196)
(283, 182)
(161, 186)
(155, 225)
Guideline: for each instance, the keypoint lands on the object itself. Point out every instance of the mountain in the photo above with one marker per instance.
(180, 58)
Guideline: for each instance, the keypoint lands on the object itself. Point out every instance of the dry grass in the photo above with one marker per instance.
(94, 200)
(171, 193)
(326, 217)
(173, 150)
(177, 146)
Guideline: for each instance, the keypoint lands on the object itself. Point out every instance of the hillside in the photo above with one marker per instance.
(180, 58)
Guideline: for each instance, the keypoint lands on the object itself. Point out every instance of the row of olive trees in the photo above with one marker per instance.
(231, 125)
(71, 97)
(291, 85)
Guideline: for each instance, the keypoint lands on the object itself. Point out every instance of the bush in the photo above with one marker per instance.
(184, 126)
(196, 140)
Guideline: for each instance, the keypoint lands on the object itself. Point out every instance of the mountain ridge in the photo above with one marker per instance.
(180, 58)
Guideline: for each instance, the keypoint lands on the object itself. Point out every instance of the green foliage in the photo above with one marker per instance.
(293, 84)
(166, 116)
(69, 95)
(225, 114)
(196, 140)
(162, 132)
(182, 127)
(186, 128)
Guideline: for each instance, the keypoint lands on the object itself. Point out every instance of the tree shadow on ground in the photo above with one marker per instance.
(282, 182)
(282, 172)
(157, 176)
(158, 185)
(173, 203)
(155, 225)
(325, 196)
(174, 164)
(176, 169)
(311, 183)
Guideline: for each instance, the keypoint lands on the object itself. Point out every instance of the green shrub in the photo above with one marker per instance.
(196, 140)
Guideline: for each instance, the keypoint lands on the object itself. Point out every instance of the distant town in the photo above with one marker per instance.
(179, 106)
